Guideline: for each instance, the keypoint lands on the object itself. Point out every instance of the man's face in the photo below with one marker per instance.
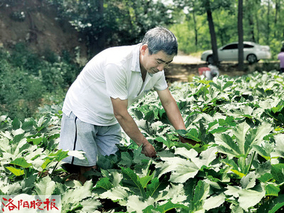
(154, 63)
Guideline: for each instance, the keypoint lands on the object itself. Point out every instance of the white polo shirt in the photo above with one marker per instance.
(115, 72)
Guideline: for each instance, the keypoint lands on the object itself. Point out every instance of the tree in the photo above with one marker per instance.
(208, 7)
(105, 23)
(212, 32)
(240, 35)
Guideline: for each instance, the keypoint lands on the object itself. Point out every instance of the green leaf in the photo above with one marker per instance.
(181, 169)
(168, 143)
(45, 186)
(126, 159)
(272, 190)
(262, 151)
(265, 177)
(145, 180)
(15, 171)
(46, 163)
(16, 124)
(250, 197)
(138, 157)
(74, 196)
(132, 181)
(21, 162)
(191, 134)
(169, 206)
(200, 192)
(154, 188)
(248, 181)
(59, 155)
(35, 141)
(115, 194)
(214, 201)
(219, 129)
(276, 207)
(277, 170)
(228, 146)
(136, 204)
(104, 183)
(28, 125)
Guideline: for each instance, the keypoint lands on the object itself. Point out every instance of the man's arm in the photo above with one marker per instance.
(173, 113)
(130, 127)
(171, 109)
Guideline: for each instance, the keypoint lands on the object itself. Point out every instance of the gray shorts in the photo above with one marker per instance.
(91, 139)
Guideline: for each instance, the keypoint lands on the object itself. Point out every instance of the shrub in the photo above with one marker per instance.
(27, 79)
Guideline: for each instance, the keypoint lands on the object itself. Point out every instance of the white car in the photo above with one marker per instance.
(252, 53)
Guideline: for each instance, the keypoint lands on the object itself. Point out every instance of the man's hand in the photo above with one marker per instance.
(148, 150)
(186, 140)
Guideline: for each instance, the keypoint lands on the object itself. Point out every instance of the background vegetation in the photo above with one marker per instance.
(29, 79)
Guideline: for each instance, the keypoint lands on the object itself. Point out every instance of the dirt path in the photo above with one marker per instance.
(185, 65)
(186, 59)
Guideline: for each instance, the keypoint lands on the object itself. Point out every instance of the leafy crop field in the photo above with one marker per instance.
(237, 166)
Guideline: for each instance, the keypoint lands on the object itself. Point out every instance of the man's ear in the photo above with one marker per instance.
(143, 49)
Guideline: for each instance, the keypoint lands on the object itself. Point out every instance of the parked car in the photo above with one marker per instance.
(252, 53)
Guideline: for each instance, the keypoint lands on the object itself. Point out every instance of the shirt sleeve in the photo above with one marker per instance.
(116, 81)
(161, 83)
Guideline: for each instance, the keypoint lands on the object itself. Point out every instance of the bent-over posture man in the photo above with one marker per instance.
(95, 107)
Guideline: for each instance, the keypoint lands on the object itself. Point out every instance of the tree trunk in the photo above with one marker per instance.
(250, 8)
(240, 35)
(268, 23)
(213, 37)
(277, 9)
(195, 31)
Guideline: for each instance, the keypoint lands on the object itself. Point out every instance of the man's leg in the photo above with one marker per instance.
(81, 175)
(78, 135)
(107, 139)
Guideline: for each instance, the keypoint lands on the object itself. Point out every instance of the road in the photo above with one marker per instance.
(186, 59)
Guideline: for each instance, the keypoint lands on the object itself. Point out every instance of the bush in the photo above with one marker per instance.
(27, 80)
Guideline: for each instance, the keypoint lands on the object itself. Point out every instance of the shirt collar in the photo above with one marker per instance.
(135, 66)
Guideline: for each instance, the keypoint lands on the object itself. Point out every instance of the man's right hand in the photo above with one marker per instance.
(148, 150)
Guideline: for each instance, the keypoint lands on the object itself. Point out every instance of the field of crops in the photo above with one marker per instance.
(237, 166)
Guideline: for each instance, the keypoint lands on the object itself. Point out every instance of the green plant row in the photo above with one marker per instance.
(237, 166)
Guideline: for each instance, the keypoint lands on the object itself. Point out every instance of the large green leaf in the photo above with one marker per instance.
(277, 170)
(272, 189)
(132, 181)
(243, 139)
(155, 187)
(246, 197)
(165, 207)
(103, 184)
(15, 171)
(21, 162)
(181, 169)
(45, 186)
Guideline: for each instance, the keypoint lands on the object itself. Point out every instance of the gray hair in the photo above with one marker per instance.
(161, 39)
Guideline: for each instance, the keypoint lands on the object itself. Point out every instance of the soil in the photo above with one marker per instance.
(184, 66)
(36, 24)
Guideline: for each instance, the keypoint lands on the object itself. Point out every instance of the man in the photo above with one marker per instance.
(95, 107)
(281, 58)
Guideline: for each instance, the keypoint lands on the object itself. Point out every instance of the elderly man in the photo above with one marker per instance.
(95, 107)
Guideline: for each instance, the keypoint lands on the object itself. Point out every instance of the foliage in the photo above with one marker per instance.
(27, 78)
(261, 24)
(236, 167)
(110, 23)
